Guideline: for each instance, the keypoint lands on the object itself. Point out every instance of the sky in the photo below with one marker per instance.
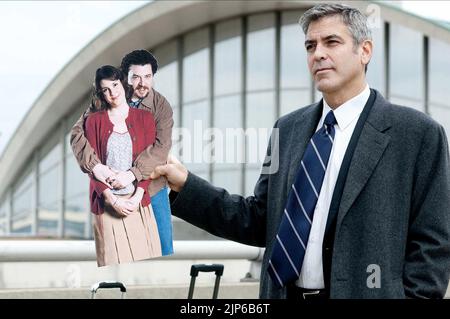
(38, 38)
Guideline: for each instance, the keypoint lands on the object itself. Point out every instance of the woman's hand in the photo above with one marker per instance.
(121, 179)
(122, 207)
(132, 204)
(119, 204)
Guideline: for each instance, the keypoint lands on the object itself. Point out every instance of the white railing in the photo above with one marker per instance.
(84, 250)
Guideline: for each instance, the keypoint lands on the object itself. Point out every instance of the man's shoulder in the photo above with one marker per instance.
(155, 102)
(411, 117)
(405, 123)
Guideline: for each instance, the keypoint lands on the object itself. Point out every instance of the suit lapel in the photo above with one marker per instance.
(369, 149)
(368, 152)
(301, 133)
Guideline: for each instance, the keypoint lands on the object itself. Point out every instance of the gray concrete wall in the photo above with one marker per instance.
(202, 291)
(152, 273)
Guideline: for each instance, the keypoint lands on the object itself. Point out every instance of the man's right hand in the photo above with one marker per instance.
(174, 171)
(101, 173)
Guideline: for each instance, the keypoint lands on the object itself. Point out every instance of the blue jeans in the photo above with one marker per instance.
(163, 216)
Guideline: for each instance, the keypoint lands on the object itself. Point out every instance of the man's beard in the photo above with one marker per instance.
(137, 94)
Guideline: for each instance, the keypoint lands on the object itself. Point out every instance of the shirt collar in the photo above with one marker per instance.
(135, 103)
(348, 111)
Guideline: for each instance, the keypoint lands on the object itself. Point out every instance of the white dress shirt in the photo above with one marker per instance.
(347, 115)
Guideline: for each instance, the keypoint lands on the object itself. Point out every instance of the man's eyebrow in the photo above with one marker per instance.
(333, 36)
(309, 42)
(328, 37)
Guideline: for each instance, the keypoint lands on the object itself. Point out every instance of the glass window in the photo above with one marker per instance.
(76, 212)
(251, 177)
(49, 191)
(439, 93)
(291, 100)
(375, 70)
(260, 111)
(196, 108)
(230, 142)
(228, 149)
(52, 157)
(260, 120)
(76, 204)
(166, 53)
(22, 205)
(76, 187)
(166, 83)
(442, 115)
(228, 58)
(3, 217)
(228, 112)
(76, 181)
(195, 146)
(439, 72)
(75, 115)
(261, 52)
(294, 67)
(196, 66)
(48, 202)
(166, 78)
(229, 180)
(295, 91)
(406, 67)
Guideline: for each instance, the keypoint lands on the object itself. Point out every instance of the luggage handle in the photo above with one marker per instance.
(195, 269)
(217, 268)
(108, 285)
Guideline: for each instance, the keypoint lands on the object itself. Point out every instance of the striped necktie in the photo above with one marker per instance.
(289, 250)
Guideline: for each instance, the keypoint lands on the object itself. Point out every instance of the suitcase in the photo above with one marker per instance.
(108, 285)
(195, 269)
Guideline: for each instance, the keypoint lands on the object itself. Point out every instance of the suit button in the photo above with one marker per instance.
(327, 248)
(109, 131)
(134, 138)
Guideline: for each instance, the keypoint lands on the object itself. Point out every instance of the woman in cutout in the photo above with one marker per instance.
(124, 225)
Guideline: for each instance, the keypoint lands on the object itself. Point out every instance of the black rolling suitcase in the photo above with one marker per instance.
(108, 285)
(195, 269)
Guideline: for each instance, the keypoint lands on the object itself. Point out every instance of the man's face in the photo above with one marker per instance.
(333, 60)
(140, 77)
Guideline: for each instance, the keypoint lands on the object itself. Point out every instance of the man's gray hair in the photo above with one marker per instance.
(352, 18)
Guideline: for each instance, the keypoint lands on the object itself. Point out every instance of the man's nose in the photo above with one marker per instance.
(319, 53)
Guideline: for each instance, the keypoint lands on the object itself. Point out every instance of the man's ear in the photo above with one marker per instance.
(366, 51)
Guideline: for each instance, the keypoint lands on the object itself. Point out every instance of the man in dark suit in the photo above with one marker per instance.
(375, 221)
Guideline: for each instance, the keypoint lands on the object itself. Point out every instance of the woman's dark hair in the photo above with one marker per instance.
(107, 72)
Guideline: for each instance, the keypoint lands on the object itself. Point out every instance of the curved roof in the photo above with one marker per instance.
(146, 28)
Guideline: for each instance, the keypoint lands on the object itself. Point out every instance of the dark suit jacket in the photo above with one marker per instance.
(394, 211)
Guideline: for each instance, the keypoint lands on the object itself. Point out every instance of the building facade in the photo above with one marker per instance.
(223, 64)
